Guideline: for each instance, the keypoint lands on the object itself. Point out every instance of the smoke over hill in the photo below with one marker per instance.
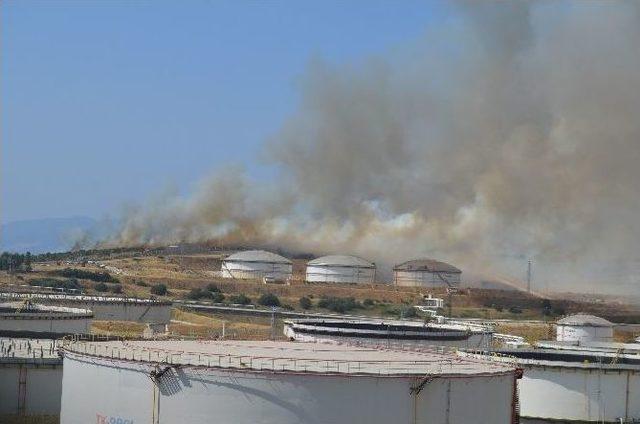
(510, 131)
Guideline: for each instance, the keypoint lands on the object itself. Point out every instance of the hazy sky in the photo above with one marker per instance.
(109, 102)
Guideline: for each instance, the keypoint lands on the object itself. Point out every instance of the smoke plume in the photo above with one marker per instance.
(510, 131)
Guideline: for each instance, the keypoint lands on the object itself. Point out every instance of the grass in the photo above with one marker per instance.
(118, 328)
(237, 327)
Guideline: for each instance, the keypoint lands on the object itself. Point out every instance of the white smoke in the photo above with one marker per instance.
(512, 131)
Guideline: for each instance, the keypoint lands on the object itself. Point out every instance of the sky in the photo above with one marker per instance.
(106, 103)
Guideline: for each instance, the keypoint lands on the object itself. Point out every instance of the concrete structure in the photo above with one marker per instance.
(257, 265)
(30, 377)
(584, 328)
(340, 269)
(577, 385)
(27, 319)
(397, 334)
(104, 307)
(426, 273)
(278, 383)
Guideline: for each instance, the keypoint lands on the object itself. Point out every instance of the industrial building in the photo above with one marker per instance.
(340, 269)
(106, 308)
(257, 265)
(248, 382)
(391, 333)
(30, 377)
(584, 328)
(426, 273)
(28, 319)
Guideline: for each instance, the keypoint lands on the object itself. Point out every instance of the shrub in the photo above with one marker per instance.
(368, 303)
(218, 297)
(141, 283)
(159, 289)
(212, 288)
(305, 302)
(515, 310)
(339, 304)
(195, 294)
(269, 299)
(240, 299)
(103, 277)
(408, 312)
(116, 288)
(71, 283)
(101, 287)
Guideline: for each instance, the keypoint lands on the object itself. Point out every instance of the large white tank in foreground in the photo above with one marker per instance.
(257, 264)
(582, 328)
(583, 384)
(340, 269)
(239, 382)
(30, 377)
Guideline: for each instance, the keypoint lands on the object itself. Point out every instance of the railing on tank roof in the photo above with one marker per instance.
(440, 364)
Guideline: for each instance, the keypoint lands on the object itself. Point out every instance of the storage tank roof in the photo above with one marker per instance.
(428, 265)
(258, 256)
(342, 260)
(289, 357)
(585, 320)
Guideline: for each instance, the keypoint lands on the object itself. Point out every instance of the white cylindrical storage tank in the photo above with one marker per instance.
(426, 272)
(27, 319)
(30, 377)
(582, 328)
(244, 382)
(257, 264)
(340, 269)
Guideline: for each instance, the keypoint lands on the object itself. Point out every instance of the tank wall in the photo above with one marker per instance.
(339, 274)
(571, 333)
(475, 341)
(579, 394)
(62, 326)
(126, 392)
(256, 270)
(124, 311)
(424, 278)
(43, 389)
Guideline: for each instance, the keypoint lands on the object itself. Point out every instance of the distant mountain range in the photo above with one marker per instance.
(45, 235)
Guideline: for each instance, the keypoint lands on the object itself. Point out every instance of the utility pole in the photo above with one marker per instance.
(529, 275)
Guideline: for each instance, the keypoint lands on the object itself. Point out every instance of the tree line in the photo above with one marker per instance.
(15, 262)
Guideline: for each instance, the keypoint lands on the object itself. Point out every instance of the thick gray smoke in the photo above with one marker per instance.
(511, 131)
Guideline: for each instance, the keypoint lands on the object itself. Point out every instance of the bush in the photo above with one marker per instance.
(101, 287)
(141, 283)
(305, 302)
(116, 288)
(408, 312)
(71, 283)
(368, 303)
(103, 277)
(340, 305)
(240, 299)
(218, 297)
(515, 310)
(212, 288)
(269, 299)
(195, 294)
(159, 289)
